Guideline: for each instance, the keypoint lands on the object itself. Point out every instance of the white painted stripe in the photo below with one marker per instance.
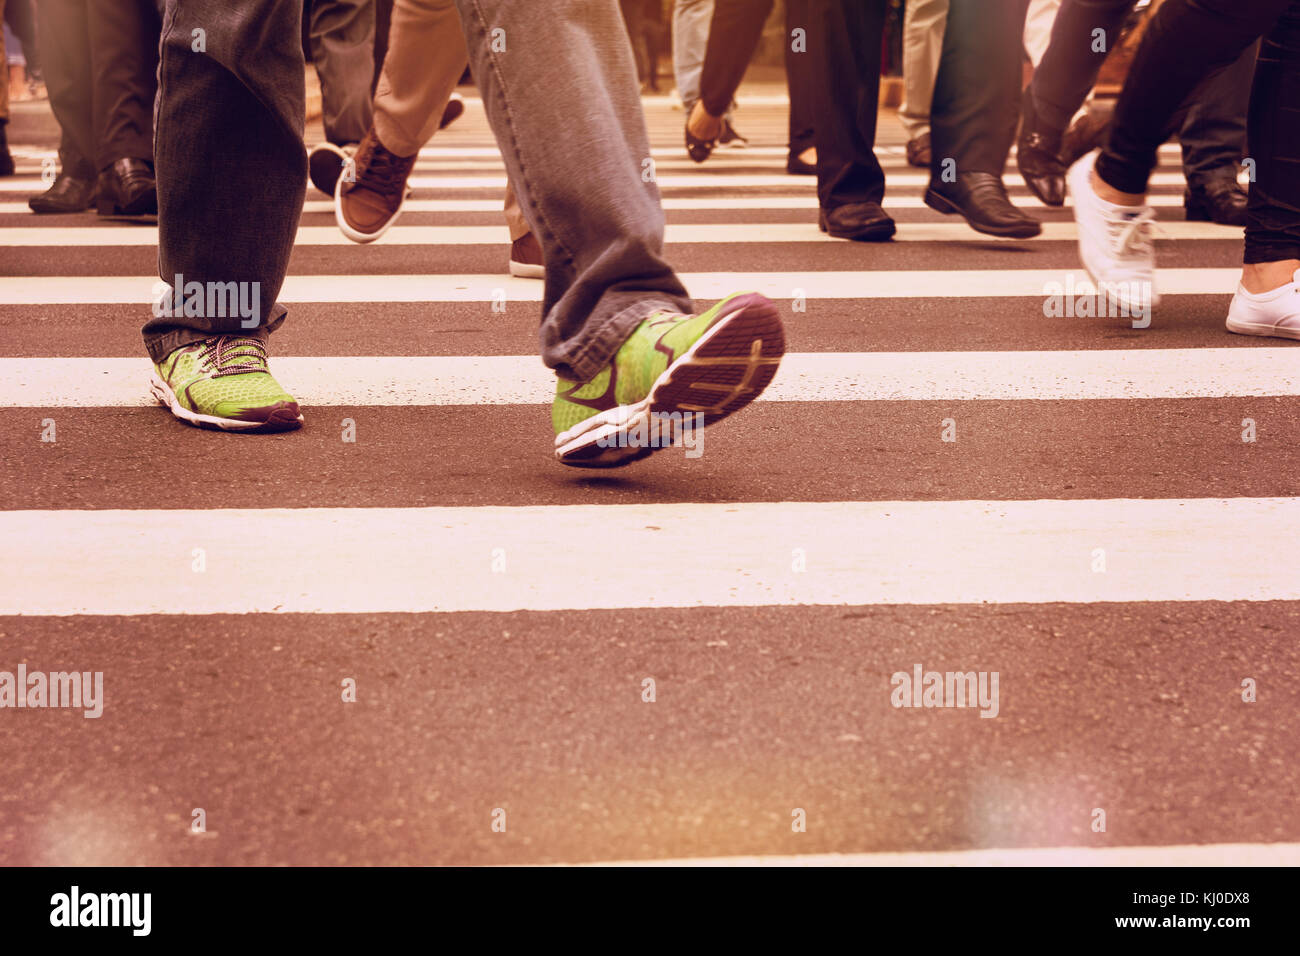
(806, 201)
(715, 233)
(630, 556)
(697, 180)
(1210, 854)
(903, 284)
(803, 377)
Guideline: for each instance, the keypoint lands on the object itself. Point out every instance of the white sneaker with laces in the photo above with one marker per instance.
(1276, 312)
(1115, 242)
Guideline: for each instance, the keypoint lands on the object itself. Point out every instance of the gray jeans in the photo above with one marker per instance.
(559, 87)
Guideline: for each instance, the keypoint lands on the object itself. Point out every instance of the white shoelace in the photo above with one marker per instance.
(1130, 236)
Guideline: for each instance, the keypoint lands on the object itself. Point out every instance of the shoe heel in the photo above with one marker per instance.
(940, 203)
(105, 206)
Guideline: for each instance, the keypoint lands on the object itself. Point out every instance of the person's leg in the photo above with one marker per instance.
(1213, 137)
(227, 215)
(844, 42)
(973, 116)
(1187, 39)
(733, 36)
(343, 51)
(426, 57)
(1082, 36)
(1267, 301)
(801, 82)
(613, 326)
(65, 50)
(124, 53)
(124, 62)
(923, 27)
(691, 19)
(1073, 58)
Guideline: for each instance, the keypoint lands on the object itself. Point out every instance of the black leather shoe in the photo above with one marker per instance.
(68, 194)
(918, 151)
(860, 221)
(982, 200)
(1220, 200)
(1038, 157)
(6, 160)
(127, 189)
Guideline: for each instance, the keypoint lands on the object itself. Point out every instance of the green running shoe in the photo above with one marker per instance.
(223, 382)
(675, 374)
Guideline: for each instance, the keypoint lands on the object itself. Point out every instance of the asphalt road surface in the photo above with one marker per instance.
(941, 476)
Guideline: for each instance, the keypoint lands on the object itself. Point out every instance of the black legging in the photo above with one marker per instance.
(1211, 125)
(734, 32)
(1186, 40)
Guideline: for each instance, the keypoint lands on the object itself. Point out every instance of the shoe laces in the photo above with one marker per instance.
(233, 355)
(382, 171)
(1131, 236)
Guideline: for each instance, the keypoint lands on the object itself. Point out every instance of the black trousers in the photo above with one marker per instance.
(977, 93)
(100, 59)
(844, 42)
(734, 32)
(1186, 39)
(1212, 123)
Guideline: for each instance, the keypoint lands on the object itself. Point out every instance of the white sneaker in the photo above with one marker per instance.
(1114, 242)
(1276, 312)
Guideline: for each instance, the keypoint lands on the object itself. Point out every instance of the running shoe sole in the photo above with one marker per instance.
(284, 418)
(722, 372)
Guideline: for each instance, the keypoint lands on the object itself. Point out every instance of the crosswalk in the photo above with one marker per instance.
(666, 662)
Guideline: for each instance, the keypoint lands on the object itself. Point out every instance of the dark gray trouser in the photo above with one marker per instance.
(342, 37)
(559, 85)
(228, 156)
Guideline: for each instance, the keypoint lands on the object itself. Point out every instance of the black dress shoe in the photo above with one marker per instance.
(797, 167)
(68, 194)
(918, 151)
(861, 221)
(6, 160)
(127, 189)
(982, 200)
(1038, 156)
(698, 149)
(1220, 200)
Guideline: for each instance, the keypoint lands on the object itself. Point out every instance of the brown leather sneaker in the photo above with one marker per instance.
(526, 258)
(368, 198)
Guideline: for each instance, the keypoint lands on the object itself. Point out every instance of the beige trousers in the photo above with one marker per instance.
(923, 25)
(426, 57)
